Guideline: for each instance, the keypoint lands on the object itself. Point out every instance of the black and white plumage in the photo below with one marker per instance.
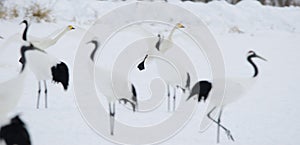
(161, 45)
(166, 72)
(11, 90)
(133, 101)
(159, 41)
(141, 66)
(15, 133)
(202, 89)
(104, 85)
(187, 83)
(45, 67)
(235, 87)
(60, 74)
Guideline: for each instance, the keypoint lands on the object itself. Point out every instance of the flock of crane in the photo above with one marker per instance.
(44, 66)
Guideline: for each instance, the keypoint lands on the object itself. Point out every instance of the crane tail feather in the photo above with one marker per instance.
(60, 74)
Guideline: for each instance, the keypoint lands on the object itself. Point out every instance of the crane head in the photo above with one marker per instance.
(24, 22)
(253, 54)
(179, 25)
(71, 27)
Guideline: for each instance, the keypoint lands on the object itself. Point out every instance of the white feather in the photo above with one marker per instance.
(10, 93)
(46, 42)
(40, 63)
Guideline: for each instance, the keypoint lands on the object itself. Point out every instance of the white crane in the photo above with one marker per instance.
(162, 45)
(15, 133)
(104, 85)
(166, 71)
(46, 42)
(235, 87)
(45, 67)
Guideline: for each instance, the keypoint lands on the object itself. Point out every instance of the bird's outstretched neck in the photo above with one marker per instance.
(171, 33)
(55, 39)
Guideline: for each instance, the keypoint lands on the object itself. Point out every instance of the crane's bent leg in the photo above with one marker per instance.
(112, 116)
(218, 129)
(229, 135)
(39, 94)
(46, 93)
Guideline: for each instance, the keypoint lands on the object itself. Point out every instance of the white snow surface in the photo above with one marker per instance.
(267, 114)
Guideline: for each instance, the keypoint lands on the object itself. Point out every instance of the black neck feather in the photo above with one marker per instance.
(24, 37)
(249, 58)
(23, 58)
(92, 56)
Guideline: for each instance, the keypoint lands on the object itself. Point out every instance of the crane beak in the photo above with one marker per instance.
(181, 26)
(92, 41)
(260, 57)
(71, 27)
(89, 42)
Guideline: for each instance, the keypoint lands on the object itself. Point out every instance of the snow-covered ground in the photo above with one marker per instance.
(267, 114)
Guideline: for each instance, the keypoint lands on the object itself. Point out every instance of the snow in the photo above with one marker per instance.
(267, 114)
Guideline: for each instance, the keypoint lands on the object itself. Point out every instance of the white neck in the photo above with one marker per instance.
(60, 35)
(171, 33)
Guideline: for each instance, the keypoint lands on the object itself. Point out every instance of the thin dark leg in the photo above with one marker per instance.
(112, 117)
(39, 94)
(169, 101)
(136, 105)
(174, 99)
(46, 94)
(218, 129)
(229, 135)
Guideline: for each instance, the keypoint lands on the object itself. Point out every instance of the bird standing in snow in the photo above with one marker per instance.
(235, 87)
(45, 67)
(167, 73)
(161, 45)
(104, 84)
(15, 133)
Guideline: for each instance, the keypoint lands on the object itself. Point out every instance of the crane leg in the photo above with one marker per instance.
(218, 129)
(39, 94)
(136, 107)
(174, 99)
(112, 117)
(169, 101)
(135, 102)
(46, 94)
(228, 133)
